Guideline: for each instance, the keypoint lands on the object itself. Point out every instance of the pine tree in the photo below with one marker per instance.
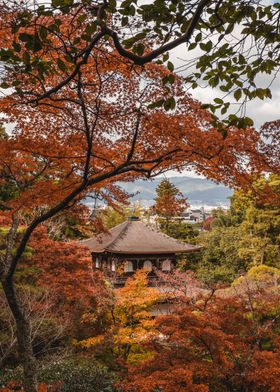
(170, 203)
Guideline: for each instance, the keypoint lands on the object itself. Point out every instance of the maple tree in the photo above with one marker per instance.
(225, 341)
(207, 223)
(57, 284)
(65, 269)
(169, 205)
(221, 33)
(133, 321)
(63, 298)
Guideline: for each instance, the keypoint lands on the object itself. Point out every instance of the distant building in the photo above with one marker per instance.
(132, 245)
(192, 215)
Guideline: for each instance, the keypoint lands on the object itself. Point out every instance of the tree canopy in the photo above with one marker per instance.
(245, 236)
(230, 42)
(169, 201)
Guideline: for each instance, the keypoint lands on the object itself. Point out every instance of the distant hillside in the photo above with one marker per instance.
(199, 191)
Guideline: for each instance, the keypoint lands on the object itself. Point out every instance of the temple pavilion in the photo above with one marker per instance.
(131, 245)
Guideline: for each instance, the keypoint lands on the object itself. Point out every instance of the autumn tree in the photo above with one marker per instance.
(178, 287)
(221, 33)
(89, 129)
(131, 321)
(207, 223)
(169, 203)
(65, 270)
(62, 296)
(223, 342)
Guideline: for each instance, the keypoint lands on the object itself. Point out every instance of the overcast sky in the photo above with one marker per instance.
(260, 111)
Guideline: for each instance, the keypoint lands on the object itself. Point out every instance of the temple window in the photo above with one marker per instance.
(97, 262)
(128, 266)
(166, 265)
(148, 265)
(113, 265)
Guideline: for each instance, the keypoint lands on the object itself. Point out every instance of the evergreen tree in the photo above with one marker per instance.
(246, 235)
(170, 203)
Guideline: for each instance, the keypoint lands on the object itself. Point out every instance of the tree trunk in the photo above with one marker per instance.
(23, 337)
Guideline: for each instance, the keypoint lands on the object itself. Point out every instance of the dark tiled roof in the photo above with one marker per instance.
(134, 237)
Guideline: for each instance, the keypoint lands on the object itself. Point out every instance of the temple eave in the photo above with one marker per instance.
(148, 252)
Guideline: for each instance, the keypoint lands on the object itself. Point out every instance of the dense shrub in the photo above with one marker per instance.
(69, 375)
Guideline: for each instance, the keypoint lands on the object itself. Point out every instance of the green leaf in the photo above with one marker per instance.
(24, 37)
(156, 104)
(81, 19)
(4, 85)
(237, 94)
(192, 46)
(224, 88)
(59, 3)
(17, 46)
(170, 66)
(169, 104)
(224, 110)
(198, 37)
(139, 36)
(139, 49)
(184, 26)
(43, 33)
(209, 46)
(124, 21)
(61, 65)
(171, 78)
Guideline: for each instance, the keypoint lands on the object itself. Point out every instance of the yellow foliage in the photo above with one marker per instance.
(131, 323)
(261, 272)
(90, 342)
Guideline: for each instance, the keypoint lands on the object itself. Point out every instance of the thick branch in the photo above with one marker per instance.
(136, 59)
(141, 60)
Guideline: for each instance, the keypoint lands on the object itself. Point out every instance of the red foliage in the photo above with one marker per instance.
(222, 344)
(65, 270)
(207, 223)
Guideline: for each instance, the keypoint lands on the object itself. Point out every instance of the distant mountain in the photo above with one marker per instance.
(199, 191)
